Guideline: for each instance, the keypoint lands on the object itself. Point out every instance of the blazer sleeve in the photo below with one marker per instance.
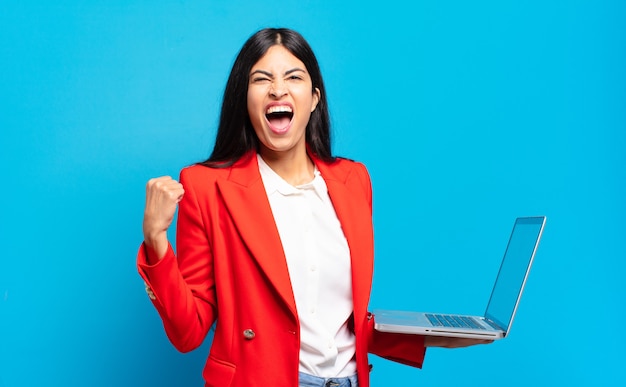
(402, 348)
(183, 286)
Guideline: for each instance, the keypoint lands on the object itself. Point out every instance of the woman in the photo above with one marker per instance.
(274, 237)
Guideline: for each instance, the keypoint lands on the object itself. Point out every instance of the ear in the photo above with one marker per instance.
(316, 98)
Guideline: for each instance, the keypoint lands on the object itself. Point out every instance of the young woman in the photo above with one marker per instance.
(274, 237)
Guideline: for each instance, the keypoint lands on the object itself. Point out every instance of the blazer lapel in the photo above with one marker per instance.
(354, 213)
(244, 195)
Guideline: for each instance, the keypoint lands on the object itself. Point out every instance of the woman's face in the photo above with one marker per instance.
(280, 101)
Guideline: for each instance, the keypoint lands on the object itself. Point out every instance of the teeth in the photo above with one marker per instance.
(279, 109)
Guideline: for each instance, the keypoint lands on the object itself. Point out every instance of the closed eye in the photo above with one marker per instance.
(260, 79)
(259, 76)
(295, 74)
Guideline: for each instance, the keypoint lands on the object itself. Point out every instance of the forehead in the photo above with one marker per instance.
(278, 58)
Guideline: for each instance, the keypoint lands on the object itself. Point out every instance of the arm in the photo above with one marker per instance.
(162, 197)
(397, 347)
(182, 286)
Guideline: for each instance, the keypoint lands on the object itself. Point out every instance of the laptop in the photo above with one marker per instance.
(505, 295)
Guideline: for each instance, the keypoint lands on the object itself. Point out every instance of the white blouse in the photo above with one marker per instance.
(318, 259)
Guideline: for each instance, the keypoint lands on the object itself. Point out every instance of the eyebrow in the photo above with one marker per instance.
(267, 73)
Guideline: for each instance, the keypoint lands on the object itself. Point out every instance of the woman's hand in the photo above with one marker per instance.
(162, 196)
(452, 342)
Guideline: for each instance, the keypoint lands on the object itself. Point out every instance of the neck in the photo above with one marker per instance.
(294, 167)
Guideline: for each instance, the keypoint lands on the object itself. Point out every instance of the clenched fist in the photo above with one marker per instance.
(162, 196)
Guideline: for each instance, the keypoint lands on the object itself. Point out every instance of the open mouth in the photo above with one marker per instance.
(279, 117)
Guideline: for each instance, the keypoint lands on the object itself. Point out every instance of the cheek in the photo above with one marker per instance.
(254, 109)
(257, 122)
(250, 103)
(310, 105)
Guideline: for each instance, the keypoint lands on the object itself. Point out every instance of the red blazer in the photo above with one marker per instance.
(231, 270)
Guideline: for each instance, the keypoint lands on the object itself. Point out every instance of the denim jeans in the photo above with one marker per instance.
(315, 381)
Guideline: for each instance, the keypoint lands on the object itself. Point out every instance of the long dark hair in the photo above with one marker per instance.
(235, 134)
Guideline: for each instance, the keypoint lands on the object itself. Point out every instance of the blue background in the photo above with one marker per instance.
(467, 115)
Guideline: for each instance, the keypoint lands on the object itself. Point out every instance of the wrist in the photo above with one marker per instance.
(156, 246)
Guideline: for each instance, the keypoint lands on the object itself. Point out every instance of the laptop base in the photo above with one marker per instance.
(394, 321)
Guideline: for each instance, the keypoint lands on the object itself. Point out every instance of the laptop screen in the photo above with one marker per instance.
(514, 270)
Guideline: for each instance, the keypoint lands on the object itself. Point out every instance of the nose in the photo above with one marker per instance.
(278, 89)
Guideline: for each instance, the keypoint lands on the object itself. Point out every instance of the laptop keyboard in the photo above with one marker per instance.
(448, 320)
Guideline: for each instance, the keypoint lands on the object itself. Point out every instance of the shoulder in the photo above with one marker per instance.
(199, 172)
(200, 180)
(344, 169)
(243, 171)
(354, 166)
(342, 162)
(349, 173)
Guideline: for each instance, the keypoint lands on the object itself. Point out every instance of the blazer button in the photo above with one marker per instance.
(248, 334)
